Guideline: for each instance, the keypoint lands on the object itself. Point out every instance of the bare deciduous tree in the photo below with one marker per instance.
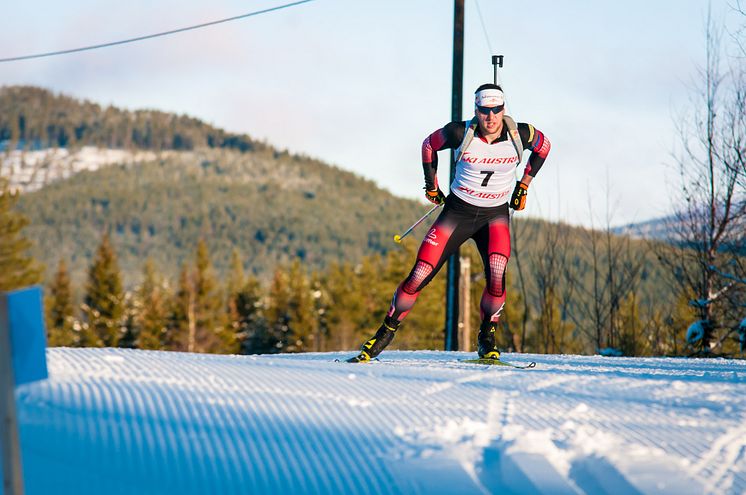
(613, 276)
(549, 266)
(710, 221)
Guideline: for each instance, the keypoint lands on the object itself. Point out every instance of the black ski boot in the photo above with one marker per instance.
(486, 348)
(373, 346)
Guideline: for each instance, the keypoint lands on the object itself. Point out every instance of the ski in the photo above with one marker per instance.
(487, 362)
(497, 362)
(375, 359)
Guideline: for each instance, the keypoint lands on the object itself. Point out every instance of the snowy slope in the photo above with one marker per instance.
(122, 421)
(32, 170)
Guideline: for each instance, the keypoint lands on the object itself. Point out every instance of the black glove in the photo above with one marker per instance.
(518, 200)
(435, 197)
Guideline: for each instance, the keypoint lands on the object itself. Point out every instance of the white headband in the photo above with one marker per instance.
(490, 98)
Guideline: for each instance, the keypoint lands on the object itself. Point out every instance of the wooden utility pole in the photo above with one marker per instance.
(464, 323)
(452, 273)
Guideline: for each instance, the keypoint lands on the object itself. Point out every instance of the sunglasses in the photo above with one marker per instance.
(487, 110)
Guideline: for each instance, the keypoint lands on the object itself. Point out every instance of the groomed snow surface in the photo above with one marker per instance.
(111, 421)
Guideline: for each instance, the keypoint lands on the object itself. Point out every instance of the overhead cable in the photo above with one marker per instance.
(484, 27)
(149, 36)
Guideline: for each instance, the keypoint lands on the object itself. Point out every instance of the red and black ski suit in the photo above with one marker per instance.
(476, 208)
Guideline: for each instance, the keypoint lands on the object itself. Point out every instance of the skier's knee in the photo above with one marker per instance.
(496, 274)
(418, 277)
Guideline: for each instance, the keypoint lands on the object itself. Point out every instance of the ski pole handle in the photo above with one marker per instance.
(398, 238)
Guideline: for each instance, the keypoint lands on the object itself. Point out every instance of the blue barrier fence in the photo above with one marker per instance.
(22, 360)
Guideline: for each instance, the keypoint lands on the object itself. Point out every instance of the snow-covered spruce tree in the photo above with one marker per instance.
(710, 219)
(17, 269)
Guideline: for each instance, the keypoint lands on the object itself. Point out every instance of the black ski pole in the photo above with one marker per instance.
(497, 61)
(398, 238)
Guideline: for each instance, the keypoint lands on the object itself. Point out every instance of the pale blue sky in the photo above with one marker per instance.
(359, 84)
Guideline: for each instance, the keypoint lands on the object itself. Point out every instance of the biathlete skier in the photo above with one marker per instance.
(476, 208)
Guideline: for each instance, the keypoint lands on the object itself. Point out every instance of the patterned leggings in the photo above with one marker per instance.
(458, 222)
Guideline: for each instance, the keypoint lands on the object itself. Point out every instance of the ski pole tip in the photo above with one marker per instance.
(397, 239)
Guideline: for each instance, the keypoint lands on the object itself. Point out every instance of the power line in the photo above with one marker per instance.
(149, 36)
(484, 27)
(486, 36)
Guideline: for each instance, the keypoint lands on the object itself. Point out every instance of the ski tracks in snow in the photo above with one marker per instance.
(503, 457)
(724, 461)
(563, 433)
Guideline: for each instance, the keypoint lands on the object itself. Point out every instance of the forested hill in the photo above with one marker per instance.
(203, 183)
(34, 118)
